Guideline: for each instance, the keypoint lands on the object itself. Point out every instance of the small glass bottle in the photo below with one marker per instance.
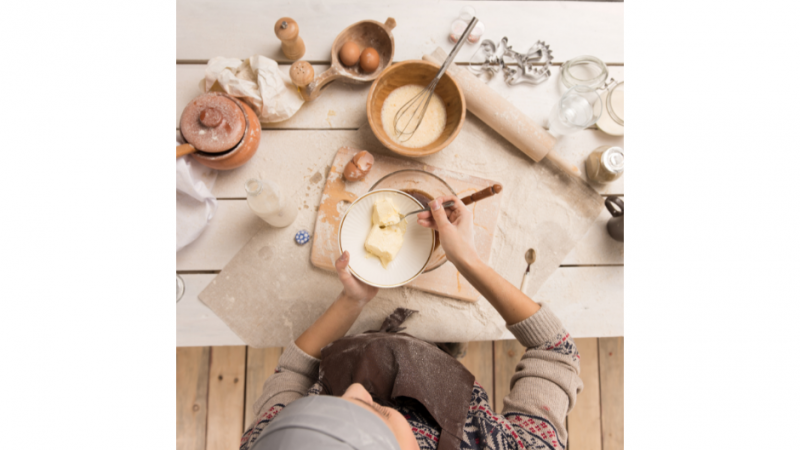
(267, 202)
(605, 164)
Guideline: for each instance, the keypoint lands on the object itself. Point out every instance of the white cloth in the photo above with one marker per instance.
(257, 81)
(195, 203)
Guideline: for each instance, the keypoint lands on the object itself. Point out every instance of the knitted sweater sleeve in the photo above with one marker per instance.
(546, 382)
(295, 374)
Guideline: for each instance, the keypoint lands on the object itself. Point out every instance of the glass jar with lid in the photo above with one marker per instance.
(605, 164)
(584, 70)
(612, 121)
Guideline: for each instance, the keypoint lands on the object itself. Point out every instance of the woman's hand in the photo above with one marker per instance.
(340, 315)
(354, 289)
(457, 235)
(455, 229)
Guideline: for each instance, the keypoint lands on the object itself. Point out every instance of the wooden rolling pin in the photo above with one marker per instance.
(503, 117)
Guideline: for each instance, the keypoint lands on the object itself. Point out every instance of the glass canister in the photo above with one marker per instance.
(612, 121)
(578, 108)
(584, 70)
(605, 164)
(616, 103)
(267, 201)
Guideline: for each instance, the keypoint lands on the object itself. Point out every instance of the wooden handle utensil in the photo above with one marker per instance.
(184, 149)
(482, 194)
(366, 33)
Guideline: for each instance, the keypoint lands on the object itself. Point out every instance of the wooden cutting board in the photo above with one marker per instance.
(339, 193)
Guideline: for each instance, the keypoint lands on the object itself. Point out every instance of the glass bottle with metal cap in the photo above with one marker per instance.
(605, 164)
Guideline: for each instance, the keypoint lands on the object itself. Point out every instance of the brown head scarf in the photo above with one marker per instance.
(390, 364)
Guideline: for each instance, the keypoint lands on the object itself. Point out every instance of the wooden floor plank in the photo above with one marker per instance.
(261, 363)
(507, 355)
(226, 397)
(192, 397)
(583, 427)
(479, 361)
(612, 362)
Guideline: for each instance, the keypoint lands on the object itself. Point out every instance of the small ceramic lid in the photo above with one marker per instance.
(213, 123)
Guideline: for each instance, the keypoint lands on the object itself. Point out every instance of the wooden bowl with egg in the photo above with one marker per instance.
(415, 73)
(364, 35)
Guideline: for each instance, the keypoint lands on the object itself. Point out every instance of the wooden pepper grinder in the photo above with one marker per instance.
(289, 33)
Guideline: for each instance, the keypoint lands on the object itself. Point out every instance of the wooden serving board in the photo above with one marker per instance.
(339, 193)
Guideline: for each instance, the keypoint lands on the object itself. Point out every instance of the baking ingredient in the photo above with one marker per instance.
(352, 172)
(605, 164)
(616, 103)
(384, 213)
(385, 242)
(370, 60)
(433, 121)
(267, 201)
(359, 167)
(349, 53)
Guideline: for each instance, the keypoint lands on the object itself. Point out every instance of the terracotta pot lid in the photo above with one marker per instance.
(213, 123)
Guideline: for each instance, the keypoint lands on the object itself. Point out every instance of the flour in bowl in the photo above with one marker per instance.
(433, 121)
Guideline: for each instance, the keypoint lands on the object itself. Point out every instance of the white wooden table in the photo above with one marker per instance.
(592, 274)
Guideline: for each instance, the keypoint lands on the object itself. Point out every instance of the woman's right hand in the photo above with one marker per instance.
(455, 229)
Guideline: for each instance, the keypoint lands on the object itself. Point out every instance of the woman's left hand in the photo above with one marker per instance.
(354, 289)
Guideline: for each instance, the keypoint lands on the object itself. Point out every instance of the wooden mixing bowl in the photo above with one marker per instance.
(421, 73)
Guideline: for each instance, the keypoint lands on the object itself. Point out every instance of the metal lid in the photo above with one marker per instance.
(613, 160)
(213, 123)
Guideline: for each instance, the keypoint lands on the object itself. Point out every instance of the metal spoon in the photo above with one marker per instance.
(427, 208)
(530, 258)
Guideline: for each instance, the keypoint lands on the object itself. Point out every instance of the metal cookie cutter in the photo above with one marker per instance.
(490, 59)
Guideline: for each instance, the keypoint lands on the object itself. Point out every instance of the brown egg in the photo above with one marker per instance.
(369, 60)
(359, 167)
(348, 55)
(364, 160)
(353, 173)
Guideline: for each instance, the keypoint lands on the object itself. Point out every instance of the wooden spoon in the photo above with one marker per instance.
(366, 33)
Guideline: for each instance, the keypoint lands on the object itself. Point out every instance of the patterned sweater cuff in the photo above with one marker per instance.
(537, 329)
(296, 360)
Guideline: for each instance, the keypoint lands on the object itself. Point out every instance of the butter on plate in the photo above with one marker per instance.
(386, 242)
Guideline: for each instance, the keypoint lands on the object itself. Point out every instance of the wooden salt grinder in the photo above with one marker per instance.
(289, 33)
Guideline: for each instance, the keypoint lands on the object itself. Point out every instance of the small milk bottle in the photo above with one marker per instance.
(268, 202)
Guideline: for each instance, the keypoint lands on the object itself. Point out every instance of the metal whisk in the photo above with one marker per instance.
(409, 117)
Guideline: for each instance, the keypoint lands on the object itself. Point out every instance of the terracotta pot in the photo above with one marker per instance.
(420, 73)
(241, 131)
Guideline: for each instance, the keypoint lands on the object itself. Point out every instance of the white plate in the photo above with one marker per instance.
(417, 246)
